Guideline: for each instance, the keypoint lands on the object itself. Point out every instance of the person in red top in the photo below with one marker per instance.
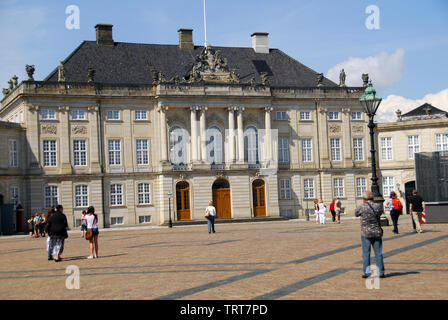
(333, 212)
(396, 210)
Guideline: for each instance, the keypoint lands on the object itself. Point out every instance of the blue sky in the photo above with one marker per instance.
(406, 57)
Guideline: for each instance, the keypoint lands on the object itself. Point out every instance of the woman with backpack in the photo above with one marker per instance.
(395, 211)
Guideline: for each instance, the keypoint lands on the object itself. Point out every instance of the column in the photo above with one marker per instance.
(239, 120)
(194, 135)
(268, 137)
(231, 134)
(163, 139)
(203, 133)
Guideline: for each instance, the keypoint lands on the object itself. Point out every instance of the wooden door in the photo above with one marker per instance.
(221, 200)
(183, 201)
(259, 202)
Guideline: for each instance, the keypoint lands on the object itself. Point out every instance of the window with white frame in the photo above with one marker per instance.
(15, 196)
(48, 114)
(116, 194)
(144, 219)
(338, 187)
(308, 188)
(335, 147)
(142, 151)
(114, 152)
(81, 196)
(283, 150)
(413, 146)
(356, 115)
(281, 115)
(78, 114)
(51, 196)
(141, 115)
(116, 220)
(13, 154)
(49, 153)
(361, 186)
(113, 115)
(144, 193)
(388, 185)
(441, 142)
(285, 189)
(358, 153)
(386, 148)
(79, 152)
(305, 115)
(333, 115)
(307, 150)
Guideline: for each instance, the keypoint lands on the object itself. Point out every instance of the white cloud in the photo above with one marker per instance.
(384, 69)
(390, 104)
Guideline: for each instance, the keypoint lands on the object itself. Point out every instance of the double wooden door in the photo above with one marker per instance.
(258, 198)
(183, 201)
(221, 200)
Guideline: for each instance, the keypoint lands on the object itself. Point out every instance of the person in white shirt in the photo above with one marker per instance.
(322, 212)
(92, 224)
(210, 213)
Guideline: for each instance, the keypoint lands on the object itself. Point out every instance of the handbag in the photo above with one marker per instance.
(89, 234)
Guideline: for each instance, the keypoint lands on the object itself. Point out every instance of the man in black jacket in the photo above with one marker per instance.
(57, 230)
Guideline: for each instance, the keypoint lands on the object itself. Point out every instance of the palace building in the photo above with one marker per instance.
(138, 129)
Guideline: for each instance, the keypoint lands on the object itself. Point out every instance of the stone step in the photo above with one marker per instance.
(234, 220)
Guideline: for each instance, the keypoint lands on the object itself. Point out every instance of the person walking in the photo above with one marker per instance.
(83, 223)
(396, 209)
(322, 212)
(57, 227)
(338, 208)
(210, 213)
(416, 207)
(30, 223)
(92, 226)
(36, 223)
(49, 246)
(371, 233)
(333, 212)
(316, 210)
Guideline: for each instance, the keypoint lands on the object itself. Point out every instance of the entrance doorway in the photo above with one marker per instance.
(408, 188)
(258, 195)
(221, 198)
(183, 200)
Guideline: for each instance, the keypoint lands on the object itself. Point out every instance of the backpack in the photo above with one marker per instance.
(396, 203)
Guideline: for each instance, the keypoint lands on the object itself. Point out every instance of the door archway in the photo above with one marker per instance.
(221, 198)
(408, 188)
(183, 200)
(258, 198)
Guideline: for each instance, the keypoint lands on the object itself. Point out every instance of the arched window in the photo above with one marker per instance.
(214, 146)
(178, 150)
(251, 152)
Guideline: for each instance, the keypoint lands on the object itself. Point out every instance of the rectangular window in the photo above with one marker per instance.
(144, 193)
(48, 114)
(441, 142)
(78, 115)
(79, 152)
(142, 151)
(305, 115)
(15, 195)
(357, 115)
(335, 146)
(281, 115)
(81, 196)
(285, 189)
(114, 152)
(386, 148)
(141, 115)
(361, 186)
(307, 150)
(338, 187)
(413, 146)
(116, 194)
(51, 196)
(308, 188)
(50, 153)
(333, 115)
(388, 185)
(116, 220)
(13, 154)
(113, 115)
(144, 219)
(358, 153)
(283, 150)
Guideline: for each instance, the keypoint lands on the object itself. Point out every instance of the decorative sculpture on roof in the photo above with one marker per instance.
(11, 85)
(5, 92)
(90, 75)
(428, 110)
(15, 81)
(61, 72)
(365, 79)
(398, 112)
(30, 71)
(342, 78)
(320, 78)
(264, 79)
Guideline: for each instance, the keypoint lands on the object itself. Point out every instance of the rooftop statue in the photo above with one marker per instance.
(30, 71)
(342, 78)
(61, 72)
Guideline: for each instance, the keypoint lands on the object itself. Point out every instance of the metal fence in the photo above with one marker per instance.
(431, 171)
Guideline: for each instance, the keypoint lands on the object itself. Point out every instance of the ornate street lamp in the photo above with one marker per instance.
(370, 101)
(170, 222)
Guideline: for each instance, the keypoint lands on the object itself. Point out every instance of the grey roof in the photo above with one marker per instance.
(421, 111)
(131, 63)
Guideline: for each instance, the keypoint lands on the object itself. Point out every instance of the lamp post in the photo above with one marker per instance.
(370, 101)
(170, 222)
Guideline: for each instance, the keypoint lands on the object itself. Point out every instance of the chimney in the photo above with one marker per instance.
(260, 42)
(186, 39)
(104, 34)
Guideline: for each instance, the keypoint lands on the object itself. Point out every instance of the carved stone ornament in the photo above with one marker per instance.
(61, 72)
(358, 129)
(79, 130)
(49, 129)
(30, 72)
(221, 175)
(334, 128)
(181, 177)
(320, 79)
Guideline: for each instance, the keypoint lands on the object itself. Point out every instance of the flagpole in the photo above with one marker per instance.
(205, 25)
